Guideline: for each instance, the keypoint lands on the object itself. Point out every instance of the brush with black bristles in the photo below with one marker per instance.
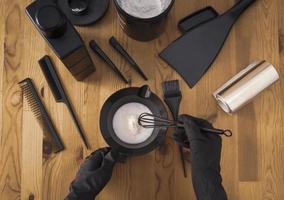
(41, 114)
(172, 97)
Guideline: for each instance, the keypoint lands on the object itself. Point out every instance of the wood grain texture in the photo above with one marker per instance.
(252, 160)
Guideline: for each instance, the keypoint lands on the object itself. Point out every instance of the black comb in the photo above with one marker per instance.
(41, 114)
(58, 91)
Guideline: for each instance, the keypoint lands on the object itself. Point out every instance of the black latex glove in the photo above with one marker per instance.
(205, 151)
(93, 176)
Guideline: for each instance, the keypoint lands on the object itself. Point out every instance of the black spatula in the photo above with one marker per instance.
(193, 53)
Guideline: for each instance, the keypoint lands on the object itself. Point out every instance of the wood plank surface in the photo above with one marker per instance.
(252, 160)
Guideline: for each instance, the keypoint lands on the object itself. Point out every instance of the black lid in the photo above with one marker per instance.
(51, 21)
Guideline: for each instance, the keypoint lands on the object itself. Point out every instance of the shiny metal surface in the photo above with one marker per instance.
(247, 84)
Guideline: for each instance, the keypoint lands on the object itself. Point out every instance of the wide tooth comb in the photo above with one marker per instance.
(41, 114)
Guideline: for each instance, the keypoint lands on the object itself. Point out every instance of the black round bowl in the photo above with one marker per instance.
(142, 29)
(132, 95)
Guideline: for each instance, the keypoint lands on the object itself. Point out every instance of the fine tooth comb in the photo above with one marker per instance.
(59, 93)
(41, 115)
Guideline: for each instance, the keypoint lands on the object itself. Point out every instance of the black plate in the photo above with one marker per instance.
(96, 10)
(122, 97)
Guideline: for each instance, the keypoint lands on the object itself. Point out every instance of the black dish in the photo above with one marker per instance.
(131, 95)
(92, 11)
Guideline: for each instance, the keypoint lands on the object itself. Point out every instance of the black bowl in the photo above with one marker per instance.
(132, 95)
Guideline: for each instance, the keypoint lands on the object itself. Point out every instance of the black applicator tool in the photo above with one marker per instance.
(119, 48)
(192, 54)
(58, 92)
(95, 47)
(172, 97)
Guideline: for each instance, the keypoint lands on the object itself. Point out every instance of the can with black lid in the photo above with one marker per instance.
(143, 20)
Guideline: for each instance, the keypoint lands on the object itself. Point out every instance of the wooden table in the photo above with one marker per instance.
(252, 160)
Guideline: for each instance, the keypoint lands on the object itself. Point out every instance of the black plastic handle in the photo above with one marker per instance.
(58, 91)
(239, 8)
(197, 18)
(52, 79)
(145, 92)
(95, 47)
(117, 46)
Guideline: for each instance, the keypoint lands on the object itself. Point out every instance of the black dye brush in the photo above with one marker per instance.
(41, 114)
(58, 92)
(172, 97)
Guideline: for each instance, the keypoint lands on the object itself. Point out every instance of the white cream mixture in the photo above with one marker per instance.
(144, 8)
(125, 123)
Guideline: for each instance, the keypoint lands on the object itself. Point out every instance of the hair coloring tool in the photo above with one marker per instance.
(147, 120)
(118, 47)
(110, 121)
(41, 115)
(58, 92)
(95, 47)
(172, 97)
(192, 54)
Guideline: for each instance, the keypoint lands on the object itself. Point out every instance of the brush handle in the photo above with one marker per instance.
(239, 8)
(174, 105)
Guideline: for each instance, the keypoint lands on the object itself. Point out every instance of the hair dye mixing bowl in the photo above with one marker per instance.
(119, 116)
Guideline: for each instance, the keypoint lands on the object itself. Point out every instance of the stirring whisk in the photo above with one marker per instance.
(147, 120)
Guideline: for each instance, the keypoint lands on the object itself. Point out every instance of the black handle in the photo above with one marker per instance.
(58, 91)
(239, 8)
(52, 79)
(117, 46)
(227, 133)
(95, 47)
(145, 92)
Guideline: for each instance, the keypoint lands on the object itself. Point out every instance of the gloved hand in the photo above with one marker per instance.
(93, 175)
(205, 154)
